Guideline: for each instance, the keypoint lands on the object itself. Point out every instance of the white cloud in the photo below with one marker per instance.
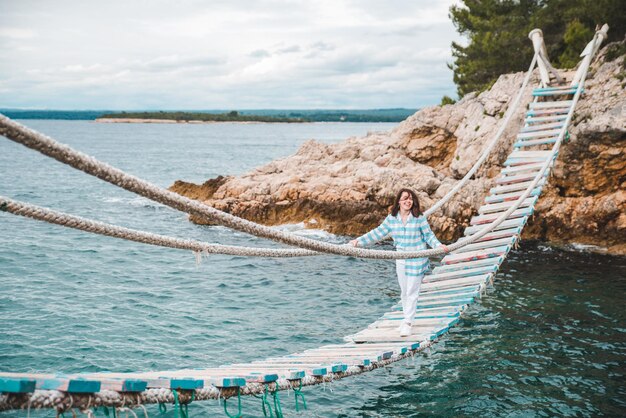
(225, 54)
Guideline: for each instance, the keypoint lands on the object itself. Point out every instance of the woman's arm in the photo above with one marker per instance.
(429, 236)
(376, 234)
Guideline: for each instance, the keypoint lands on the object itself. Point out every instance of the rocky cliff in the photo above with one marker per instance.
(347, 188)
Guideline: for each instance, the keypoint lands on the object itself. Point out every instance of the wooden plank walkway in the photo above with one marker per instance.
(453, 286)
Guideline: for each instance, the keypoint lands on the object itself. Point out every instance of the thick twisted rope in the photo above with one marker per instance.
(65, 154)
(90, 165)
(76, 222)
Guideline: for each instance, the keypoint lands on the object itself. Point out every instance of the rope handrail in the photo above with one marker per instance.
(509, 114)
(64, 219)
(343, 250)
(101, 228)
(90, 165)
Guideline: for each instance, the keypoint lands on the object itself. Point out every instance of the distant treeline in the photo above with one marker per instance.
(232, 116)
(276, 115)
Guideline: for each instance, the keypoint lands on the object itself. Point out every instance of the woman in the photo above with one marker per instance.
(410, 232)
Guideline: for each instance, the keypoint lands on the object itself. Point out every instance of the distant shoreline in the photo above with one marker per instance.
(249, 115)
(167, 121)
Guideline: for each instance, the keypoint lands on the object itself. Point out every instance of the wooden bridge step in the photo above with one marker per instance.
(486, 244)
(539, 134)
(471, 255)
(542, 127)
(454, 283)
(535, 142)
(444, 268)
(17, 385)
(489, 218)
(520, 177)
(504, 206)
(547, 105)
(544, 119)
(508, 197)
(506, 224)
(508, 188)
(548, 112)
(436, 277)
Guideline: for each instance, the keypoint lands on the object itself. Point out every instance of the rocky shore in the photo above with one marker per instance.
(347, 188)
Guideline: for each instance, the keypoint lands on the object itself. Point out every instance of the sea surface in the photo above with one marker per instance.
(547, 340)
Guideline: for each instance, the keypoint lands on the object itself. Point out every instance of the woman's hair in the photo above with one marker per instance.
(415, 209)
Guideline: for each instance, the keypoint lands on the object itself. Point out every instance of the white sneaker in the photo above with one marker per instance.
(405, 330)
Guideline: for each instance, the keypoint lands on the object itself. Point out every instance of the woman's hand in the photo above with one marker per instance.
(445, 248)
(354, 243)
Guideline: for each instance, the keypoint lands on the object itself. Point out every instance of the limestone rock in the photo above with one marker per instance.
(347, 188)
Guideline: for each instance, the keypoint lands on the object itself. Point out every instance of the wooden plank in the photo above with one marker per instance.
(228, 382)
(534, 167)
(489, 218)
(515, 187)
(439, 296)
(476, 271)
(504, 225)
(395, 323)
(504, 206)
(527, 154)
(535, 142)
(472, 255)
(208, 374)
(554, 93)
(445, 268)
(447, 284)
(555, 88)
(539, 134)
(548, 105)
(486, 244)
(520, 178)
(543, 112)
(260, 367)
(507, 197)
(285, 373)
(17, 385)
(466, 289)
(544, 119)
(70, 385)
(542, 127)
(123, 385)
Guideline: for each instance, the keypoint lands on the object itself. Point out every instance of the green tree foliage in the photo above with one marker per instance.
(497, 34)
(446, 100)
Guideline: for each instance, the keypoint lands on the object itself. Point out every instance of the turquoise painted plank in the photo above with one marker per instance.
(123, 385)
(321, 371)
(187, 384)
(17, 385)
(71, 385)
(338, 368)
(227, 382)
(262, 377)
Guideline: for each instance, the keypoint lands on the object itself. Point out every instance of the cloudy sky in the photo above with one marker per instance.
(214, 54)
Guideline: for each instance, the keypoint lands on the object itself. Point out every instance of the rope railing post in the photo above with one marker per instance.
(536, 36)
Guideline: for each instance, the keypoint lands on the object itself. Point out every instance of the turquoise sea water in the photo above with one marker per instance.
(547, 340)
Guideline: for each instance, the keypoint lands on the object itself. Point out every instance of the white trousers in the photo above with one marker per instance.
(410, 289)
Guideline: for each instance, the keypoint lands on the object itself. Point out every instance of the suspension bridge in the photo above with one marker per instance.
(463, 276)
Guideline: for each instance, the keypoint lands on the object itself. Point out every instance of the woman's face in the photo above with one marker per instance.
(406, 201)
